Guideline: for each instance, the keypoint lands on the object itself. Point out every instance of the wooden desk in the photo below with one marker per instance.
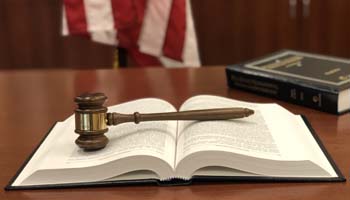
(31, 101)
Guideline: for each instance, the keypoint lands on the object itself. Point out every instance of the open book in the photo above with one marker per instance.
(273, 143)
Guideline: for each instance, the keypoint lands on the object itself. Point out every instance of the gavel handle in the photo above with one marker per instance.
(208, 114)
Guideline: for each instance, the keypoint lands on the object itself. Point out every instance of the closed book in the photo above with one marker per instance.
(312, 80)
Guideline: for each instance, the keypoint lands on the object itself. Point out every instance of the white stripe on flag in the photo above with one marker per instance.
(106, 37)
(99, 15)
(190, 53)
(100, 22)
(154, 27)
(65, 30)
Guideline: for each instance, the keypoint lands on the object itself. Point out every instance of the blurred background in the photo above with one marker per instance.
(228, 32)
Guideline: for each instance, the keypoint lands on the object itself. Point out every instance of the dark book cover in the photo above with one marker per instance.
(195, 180)
(316, 81)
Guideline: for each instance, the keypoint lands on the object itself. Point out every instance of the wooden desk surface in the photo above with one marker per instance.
(31, 101)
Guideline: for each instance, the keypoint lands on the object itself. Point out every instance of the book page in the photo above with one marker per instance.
(41, 152)
(155, 139)
(249, 136)
(271, 142)
(294, 138)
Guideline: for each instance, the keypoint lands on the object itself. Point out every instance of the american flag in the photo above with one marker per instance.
(154, 32)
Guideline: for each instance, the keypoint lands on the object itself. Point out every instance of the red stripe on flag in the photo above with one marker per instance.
(143, 60)
(76, 18)
(175, 36)
(128, 16)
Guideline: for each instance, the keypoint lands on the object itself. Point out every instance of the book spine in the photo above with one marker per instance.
(304, 95)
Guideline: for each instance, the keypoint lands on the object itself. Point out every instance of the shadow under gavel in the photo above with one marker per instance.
(92, 119)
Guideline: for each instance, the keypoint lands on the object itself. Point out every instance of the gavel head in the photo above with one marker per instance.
(90, 121)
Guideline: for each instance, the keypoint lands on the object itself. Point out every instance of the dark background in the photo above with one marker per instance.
(229, 31)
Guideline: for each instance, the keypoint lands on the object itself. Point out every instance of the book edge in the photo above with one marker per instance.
(324, 150)
(138, 182)
(26, 161)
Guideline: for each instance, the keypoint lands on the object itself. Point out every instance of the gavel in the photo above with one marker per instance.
(92, 119)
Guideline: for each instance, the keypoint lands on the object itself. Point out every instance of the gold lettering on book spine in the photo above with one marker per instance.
(344, 78)
(255, 85)
(288, 62)
(332, 71)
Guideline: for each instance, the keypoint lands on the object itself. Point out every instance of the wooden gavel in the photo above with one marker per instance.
(91, 118)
